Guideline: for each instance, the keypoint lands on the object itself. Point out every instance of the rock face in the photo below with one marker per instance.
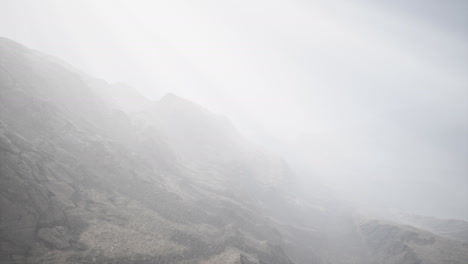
(393, 243)
(451, 228)
(88, 175)
(55, 237)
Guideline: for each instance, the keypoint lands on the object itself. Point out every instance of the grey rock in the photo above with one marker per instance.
(54, 237)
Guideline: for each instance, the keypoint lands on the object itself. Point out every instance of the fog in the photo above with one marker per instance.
(369, 98)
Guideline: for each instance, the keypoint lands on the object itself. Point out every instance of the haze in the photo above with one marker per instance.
(368, 97)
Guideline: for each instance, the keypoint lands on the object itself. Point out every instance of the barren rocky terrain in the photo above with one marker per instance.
(92, 172)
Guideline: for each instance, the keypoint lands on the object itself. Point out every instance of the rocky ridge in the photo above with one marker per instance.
(90, 175)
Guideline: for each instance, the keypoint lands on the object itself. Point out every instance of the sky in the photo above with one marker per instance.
(368, 97)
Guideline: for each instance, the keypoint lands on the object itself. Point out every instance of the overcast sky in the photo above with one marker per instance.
(370, 97)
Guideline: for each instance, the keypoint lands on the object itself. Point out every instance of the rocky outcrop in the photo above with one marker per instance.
(450, 228)
(394, 243)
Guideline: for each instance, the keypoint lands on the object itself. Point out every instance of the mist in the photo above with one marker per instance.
(364, 95)
(366, 99)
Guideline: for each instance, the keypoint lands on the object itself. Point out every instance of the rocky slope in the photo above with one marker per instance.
(449, 228)
(82, 181)
(395, 243)
(95, 173)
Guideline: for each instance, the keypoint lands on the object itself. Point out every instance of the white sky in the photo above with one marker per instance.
(364, 95)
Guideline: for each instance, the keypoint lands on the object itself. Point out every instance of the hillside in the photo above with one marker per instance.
(92, 172)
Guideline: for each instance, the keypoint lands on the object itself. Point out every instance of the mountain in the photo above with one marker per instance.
(449, 228)
(92, 172)
(84, 181)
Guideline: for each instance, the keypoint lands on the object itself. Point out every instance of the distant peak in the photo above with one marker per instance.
(11, 43)
(172, 101)
(171, 97)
